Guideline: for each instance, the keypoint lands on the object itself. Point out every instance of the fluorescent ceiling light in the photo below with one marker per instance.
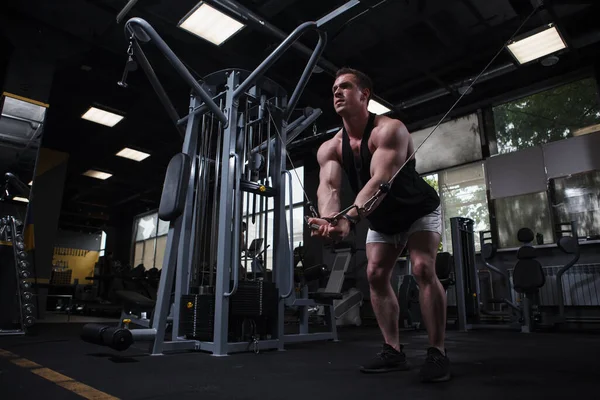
(22, 107)
(538, 45)
(377, 108)
(30, 183)
(21, 199)
(210, 24)
(102, 117)
(133, 154)
(97, 174)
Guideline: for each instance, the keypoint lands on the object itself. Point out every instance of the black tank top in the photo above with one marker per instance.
(410, 196)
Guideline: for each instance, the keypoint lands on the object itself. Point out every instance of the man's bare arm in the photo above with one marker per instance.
(330, 180)
(391, 149)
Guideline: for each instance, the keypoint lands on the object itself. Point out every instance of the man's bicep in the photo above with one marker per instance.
(331, 174)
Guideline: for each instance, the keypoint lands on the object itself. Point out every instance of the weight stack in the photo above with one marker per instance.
(255, 299)
(197, 316)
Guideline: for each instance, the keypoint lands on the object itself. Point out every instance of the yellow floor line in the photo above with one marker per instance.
(59, 379)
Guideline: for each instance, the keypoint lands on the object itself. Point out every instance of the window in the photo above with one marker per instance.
(102, 244)
(150, 241)
(463, 194)
(548, 116)
(256, 229)
(523, 211)
(151, 233)
(577, 198)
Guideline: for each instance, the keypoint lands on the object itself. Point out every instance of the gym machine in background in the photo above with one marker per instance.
(233, 163)
(17, 310)
(522, 284)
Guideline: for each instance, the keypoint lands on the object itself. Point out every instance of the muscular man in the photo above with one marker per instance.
(370, 149)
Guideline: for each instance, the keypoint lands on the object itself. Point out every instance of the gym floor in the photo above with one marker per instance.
(54, 363)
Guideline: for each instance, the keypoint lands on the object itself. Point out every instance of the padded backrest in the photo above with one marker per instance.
(444, 264)
(528, 276)
(172, 200)
(525, 235)
(526, 253)
(488, 251)
(568, 244)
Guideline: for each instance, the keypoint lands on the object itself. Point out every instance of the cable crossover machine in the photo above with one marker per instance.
(233, 159)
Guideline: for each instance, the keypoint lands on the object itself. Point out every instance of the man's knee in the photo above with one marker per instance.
(378, 276)
(423, 269)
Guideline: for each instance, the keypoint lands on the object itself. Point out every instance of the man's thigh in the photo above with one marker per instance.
(382, 252)
(424, 238)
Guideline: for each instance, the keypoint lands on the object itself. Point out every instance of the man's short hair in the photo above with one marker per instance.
(364, 82)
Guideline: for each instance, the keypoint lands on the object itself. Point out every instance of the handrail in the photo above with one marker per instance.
(277, 53)
(235, 264)
(291, 263)
(144, 32)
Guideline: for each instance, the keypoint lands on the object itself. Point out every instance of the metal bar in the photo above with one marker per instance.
(337, 12)
(291, 126)
(216, 199)
(199, 110)
(156, 85)
(125, 10)
(277, 53)
(148, 30)
(165, 285)
(188, 234)
(236, 227)
(291, 264)
(221, 321)
(308, 70)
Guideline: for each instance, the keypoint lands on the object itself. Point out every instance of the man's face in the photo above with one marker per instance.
(347, 95)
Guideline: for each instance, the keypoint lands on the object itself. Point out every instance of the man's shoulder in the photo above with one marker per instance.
(387, 123)
(386, 127)
(331, 147)
(332, 143)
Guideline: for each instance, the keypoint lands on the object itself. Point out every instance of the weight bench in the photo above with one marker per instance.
(331, 303)
(137, 308)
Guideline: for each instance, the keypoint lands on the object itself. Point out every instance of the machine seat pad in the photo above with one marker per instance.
(528, 276)
(135, 299)
(324, 296)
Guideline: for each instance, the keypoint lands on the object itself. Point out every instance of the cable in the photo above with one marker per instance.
(288, 157)
(465, 92)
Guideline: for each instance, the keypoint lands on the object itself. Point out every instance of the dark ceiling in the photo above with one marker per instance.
(418, 53)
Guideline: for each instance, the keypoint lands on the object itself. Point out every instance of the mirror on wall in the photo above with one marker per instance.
(21, 129)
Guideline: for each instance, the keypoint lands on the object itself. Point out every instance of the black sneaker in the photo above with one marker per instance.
(436, 367)
(388, 360)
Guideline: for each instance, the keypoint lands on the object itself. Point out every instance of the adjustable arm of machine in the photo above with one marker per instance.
(142, 31)
(294, 129)
(277, 53)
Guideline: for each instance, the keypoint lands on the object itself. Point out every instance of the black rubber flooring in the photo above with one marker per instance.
(486, 365)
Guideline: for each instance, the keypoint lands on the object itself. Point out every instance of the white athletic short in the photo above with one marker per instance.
(430, 222)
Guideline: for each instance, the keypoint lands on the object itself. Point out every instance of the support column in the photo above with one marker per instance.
(44, 212)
